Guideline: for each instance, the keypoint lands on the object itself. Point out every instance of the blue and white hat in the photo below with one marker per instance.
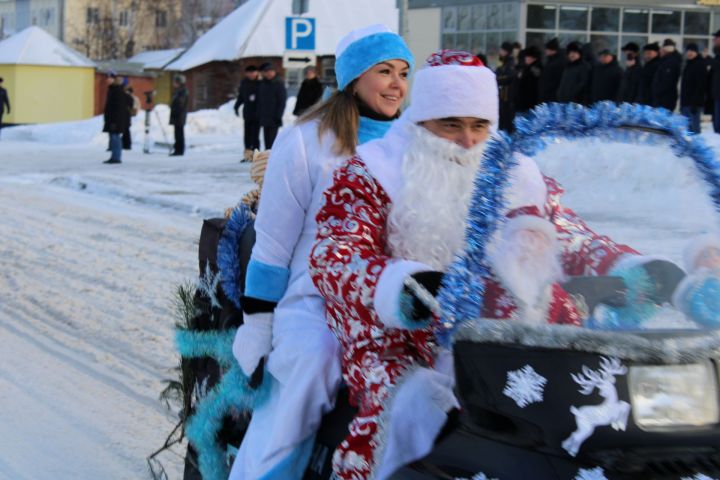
(362, 48)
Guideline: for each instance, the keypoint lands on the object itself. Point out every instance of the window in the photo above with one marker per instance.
(160, 18)
(478, 18)
(92, 15)
(697, 23)
(464, 20)
(605, 20)
(480, 28)
(542, 16)
(538, 39)
(573, 18)
(124, 18)
(665, 21)
(300, 6)
(449, 19)
(635, 20)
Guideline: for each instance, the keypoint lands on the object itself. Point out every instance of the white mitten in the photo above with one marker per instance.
(253, 340)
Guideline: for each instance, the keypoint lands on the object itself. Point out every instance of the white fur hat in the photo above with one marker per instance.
(454, 84)
(696, 246)
(528, 218)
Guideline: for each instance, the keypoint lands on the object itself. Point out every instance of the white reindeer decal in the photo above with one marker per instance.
(611, 412)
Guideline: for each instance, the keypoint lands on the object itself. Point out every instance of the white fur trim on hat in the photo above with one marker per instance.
(696, 246)
(454, 91)
(357, 34)
(529, 222)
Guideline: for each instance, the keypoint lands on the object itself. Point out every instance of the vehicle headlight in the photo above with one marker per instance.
(672, 396)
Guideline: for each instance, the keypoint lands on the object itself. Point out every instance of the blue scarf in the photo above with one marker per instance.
(371, 129)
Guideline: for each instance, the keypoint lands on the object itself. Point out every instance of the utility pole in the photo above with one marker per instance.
(402, 6)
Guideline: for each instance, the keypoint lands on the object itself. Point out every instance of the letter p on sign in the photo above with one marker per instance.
(299, 33)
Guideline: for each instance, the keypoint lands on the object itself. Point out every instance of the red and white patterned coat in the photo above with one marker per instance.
(347, 264)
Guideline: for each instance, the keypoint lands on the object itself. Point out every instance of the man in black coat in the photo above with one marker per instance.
(575, 78)
(247, 96)
(552, 72)
(630, 85)
(178, 114)
(665, 81)
(310, 93)
(715, 82)
(4, 101)
(117, 116)
(651, 55)
(506, 76)
(606, 78)
(271, 103)
(528, 82)
(692, 89)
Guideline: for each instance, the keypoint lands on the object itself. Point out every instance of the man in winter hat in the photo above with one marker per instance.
(552, 71)
(393, 221)
(575, 77)
(651, 55)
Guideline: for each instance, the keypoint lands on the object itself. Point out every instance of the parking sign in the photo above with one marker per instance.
(299, 33)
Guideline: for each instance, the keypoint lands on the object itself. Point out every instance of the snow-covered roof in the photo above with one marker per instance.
(156, 59)
(257, 29)
(34, 46)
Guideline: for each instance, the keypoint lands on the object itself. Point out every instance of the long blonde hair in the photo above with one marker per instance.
(340, 115)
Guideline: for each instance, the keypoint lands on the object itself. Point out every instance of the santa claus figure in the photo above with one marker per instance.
(394, 219)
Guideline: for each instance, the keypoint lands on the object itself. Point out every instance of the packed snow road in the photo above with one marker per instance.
(89, 258)
(91, 253)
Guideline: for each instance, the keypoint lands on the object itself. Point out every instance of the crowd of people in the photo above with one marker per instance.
(576, 74)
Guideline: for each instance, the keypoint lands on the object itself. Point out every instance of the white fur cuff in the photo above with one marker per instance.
(389, 288)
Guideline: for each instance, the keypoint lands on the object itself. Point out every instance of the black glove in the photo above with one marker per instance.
(411, 307)
(664, 277)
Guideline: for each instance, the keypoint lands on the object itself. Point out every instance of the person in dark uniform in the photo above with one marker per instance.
(630, 86)
(116, 116)
(715, 81)
(552, 72)
(665, 81)
(247, 97)
(271, 103)
(528, 82)
(506, 75)
(651, 55)
(178, 114)
(310, 93)
(575, 78)
(4, 101)
(607, 76)
(692, 88)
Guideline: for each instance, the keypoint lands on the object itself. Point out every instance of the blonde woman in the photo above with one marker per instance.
(284, 314)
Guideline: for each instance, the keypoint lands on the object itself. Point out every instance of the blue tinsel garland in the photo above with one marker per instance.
(231, 395)
(461, 294)
(228, 257)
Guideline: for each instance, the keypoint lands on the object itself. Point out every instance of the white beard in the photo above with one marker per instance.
(527, 264)
(427, 222)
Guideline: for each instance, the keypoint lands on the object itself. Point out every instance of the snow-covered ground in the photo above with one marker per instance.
(90, 255)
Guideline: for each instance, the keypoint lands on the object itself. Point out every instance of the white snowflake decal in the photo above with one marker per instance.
(477, 476)
(525, 386)
(698, 476)
(594, 474)
(207, 284)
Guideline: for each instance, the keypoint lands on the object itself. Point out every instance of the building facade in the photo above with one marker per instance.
(116, 29)
(481, 26)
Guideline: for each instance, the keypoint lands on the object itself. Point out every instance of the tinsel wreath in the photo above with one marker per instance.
(462, 290)
(233, 393)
